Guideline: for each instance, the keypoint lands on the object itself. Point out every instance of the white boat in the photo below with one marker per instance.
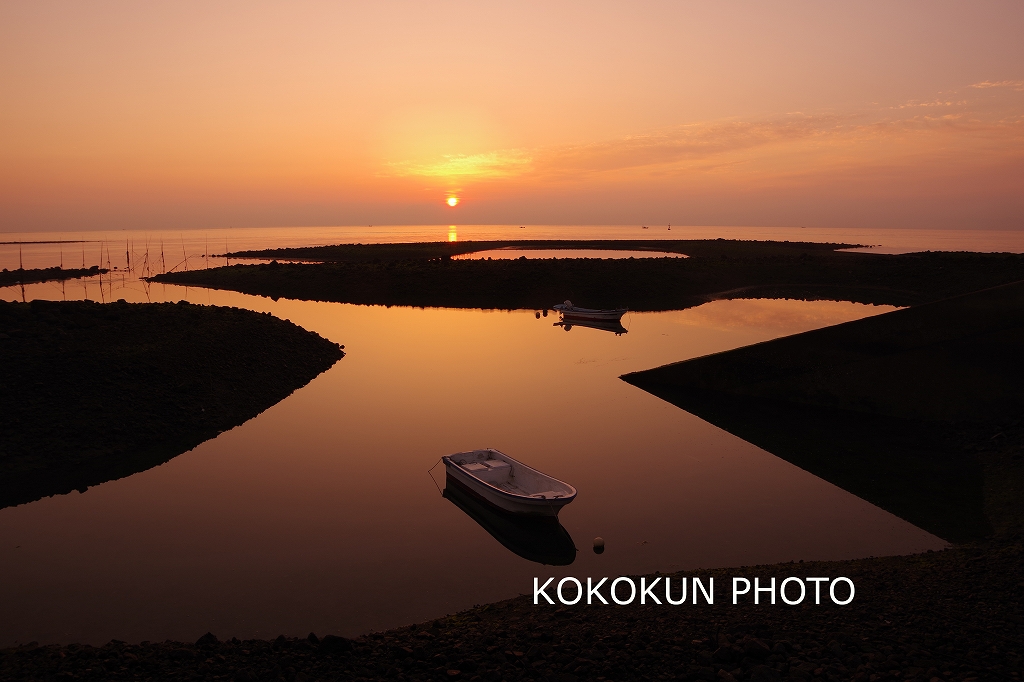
(569, 311)
(507, 483)
(614, 326)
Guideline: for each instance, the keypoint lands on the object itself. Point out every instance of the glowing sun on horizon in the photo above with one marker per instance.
(452, 201)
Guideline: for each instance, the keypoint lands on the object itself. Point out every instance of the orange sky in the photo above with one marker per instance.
(212, 114)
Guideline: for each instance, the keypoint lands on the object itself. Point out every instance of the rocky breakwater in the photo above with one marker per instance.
(92, 392)
(920, 411)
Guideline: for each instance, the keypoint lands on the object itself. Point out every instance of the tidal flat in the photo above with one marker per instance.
(424, 275)
(33, 275)
(94, 392)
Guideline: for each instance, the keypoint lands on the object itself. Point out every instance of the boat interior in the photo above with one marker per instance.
(490, 467)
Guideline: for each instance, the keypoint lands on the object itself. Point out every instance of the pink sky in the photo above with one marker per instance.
(200, 114)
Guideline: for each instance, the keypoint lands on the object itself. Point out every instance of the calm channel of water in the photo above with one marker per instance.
(319, 515)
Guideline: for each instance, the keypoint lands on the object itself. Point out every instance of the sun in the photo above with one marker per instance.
(452, 201)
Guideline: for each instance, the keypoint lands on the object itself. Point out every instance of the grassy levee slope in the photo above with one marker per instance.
(723, 270)
(91, 392)
(917, 410)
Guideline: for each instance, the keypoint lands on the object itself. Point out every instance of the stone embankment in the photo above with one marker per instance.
(92, 392)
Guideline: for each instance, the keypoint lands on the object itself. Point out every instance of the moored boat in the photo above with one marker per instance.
(508, 483)
(613, 326)
(570, 312)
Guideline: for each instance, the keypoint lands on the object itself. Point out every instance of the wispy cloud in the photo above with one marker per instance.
(680, 144)
(491, 165)
(793, 143)
(1013, 85)
(934, 103)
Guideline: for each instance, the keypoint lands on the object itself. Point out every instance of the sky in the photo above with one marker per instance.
(212, 114)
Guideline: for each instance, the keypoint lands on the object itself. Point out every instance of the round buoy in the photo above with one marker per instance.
(598, 545)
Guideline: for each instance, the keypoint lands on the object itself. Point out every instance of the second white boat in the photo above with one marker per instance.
(508, 483)
(570, 312)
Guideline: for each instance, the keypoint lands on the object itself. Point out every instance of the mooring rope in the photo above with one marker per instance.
(430, 473)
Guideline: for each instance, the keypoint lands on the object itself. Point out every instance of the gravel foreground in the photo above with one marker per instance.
(950, 615)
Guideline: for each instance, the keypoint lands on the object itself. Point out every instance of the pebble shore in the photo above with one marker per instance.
(949, 615)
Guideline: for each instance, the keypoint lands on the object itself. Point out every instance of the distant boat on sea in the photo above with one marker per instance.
(573, 313)
(507, 483)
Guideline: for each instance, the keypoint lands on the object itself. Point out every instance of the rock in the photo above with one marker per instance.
(762, 673)
(755, 648)
(707, 674)
(207, 640)
(333, 644)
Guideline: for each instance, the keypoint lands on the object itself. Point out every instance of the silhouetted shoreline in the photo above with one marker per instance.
(35, 275)
(918, 411)
(410, 251)
(715, 269)
(93, 392)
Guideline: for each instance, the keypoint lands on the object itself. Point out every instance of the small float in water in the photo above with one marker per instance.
(573, 313)
(507, 483)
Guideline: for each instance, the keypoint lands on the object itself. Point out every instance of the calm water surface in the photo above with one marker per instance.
(511, 254)
(319, 515)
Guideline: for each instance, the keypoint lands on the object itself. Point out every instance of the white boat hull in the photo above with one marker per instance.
(570, 312)
(520, 490)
